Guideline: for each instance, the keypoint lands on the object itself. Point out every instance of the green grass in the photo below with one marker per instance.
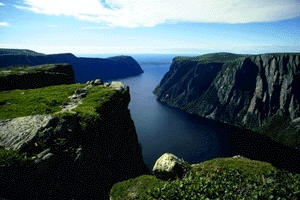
(13, 70)
(135, 188)
(281, 129)
(19, 103)
(12, 157)
(47, 100)
(212, 57)
(88, 111)
(221, 178)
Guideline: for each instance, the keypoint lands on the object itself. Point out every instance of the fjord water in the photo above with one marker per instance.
(162, 129)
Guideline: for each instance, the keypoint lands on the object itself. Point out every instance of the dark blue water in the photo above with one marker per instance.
(162, 129)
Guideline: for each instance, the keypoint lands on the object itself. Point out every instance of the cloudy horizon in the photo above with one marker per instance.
(133, 26)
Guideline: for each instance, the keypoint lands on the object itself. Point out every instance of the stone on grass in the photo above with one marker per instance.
(81, 92)
(119, 86)
(168, 167)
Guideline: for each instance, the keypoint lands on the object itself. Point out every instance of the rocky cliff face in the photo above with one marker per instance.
(75, 153)
(85, 68)
(258, 92)
(36, 76)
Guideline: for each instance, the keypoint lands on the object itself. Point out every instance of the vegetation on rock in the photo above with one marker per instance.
(81, 152)
(12, 158)
(220, 178)
(19, 103)
(248, 91)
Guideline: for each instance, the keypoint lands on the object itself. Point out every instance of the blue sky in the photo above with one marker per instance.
(150, 26)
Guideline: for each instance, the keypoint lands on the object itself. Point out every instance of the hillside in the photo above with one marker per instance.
(220, 178)
(258, 92)
(85, 68)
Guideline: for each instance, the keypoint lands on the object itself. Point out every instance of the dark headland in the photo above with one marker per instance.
(85, 68)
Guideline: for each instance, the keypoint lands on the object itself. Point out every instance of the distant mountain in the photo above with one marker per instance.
(35, 76)
(85, 68)
(258, 92)
(25, 52)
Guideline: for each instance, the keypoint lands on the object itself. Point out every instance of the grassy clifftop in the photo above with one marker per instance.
(89, 137)
(47, 100)
(221, 178)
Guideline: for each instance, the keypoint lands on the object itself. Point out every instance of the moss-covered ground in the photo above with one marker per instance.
(12, 157)
(221, 178)
(48, 100)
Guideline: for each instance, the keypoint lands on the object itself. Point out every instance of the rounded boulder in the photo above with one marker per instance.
(168, 167)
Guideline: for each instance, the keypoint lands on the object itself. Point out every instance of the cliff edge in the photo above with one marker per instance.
(258, 92)
(67, 141)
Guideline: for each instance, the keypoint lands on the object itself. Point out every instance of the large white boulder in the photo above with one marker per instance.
(168, 167)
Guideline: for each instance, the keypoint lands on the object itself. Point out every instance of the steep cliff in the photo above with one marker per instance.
(259, 92)
(67, 142)
(85, 68)
(36, 76)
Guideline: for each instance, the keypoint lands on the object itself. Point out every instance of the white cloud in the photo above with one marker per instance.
(135, 13)
(1, 4)
(4, 24)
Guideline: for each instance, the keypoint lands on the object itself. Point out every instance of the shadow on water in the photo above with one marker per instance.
(162, 129)
(255, 146)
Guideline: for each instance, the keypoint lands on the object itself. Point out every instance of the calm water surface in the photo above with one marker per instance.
(164, 129)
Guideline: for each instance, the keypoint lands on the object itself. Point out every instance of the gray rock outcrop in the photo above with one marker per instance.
(21, 132)
(117, 85)
(95, 82)
(168, 167)
(246, 91)
(76, 156)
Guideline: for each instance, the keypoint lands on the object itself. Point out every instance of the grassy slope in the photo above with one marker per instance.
(19, 103)
(47, 100)
(221, 178)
